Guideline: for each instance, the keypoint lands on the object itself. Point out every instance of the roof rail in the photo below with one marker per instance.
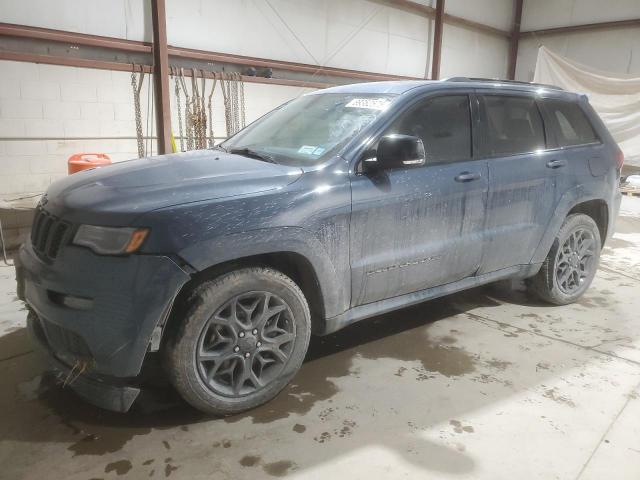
(499, 80)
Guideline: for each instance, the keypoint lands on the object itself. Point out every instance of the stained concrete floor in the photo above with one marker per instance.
(487, 384)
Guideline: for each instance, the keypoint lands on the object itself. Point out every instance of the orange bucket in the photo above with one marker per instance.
(83, 161)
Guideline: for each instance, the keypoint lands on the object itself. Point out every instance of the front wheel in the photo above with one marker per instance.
(244, 337)
(571, 263)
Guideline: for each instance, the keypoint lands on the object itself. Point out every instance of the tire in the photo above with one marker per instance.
(551, 283)
(222, 357)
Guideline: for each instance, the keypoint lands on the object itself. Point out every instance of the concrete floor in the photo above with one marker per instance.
(487, 384)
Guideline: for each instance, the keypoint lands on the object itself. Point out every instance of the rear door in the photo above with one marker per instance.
(416, 228)
(522, 172)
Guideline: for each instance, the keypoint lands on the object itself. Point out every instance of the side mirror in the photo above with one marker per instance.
(397, 151)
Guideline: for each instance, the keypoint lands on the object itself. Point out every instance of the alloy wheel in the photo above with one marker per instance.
(574, 260)
(245, 344)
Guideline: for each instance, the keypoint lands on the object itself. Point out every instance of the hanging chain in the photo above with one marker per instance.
(203, 113)
(198, 108)
(178, 104)
(136, 85)
(210, 108)
(234, 97)
(234, 102)
(187, 113)
(192, 128)
(224, 84)
(195, 108)
(199, 115)
(242, 110)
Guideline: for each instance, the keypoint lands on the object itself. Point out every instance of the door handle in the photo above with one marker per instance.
(467, 177)
(556, 163)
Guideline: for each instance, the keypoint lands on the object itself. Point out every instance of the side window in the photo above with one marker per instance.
(572, 125)
(513, 125)
(443, 124)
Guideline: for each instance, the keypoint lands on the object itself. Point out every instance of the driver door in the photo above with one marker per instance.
(414, 228)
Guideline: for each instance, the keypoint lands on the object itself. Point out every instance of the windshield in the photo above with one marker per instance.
(309, 129)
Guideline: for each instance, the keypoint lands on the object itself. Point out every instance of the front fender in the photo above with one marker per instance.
(215, 251)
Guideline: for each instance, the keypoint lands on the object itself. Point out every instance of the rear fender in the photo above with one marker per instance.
(570, 199)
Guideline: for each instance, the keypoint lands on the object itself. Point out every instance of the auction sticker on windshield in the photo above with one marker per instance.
(372, 103)
(307, 149)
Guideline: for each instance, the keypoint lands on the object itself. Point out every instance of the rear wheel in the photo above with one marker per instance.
(244, 337)
(571, 263)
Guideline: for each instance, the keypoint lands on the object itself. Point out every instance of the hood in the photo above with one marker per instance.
(123, 189)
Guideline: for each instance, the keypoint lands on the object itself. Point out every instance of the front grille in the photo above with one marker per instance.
(48, 233)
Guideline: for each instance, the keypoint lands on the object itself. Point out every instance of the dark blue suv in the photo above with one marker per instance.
(342, 204)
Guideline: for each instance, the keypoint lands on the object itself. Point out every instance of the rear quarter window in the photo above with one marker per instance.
(570, 123)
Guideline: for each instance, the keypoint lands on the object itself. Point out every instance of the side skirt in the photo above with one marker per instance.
(380, 307)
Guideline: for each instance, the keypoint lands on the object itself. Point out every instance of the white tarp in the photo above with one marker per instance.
(615, 98)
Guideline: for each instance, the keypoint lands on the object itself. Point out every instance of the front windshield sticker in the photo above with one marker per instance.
(307, 149)
(319, 151)
(372, 103)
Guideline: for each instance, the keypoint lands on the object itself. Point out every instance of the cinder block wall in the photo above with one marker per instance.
(53, 105)
(44, 107)
(49, 112)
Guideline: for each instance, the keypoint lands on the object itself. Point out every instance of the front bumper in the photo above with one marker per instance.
(95, 390)
(98, 309)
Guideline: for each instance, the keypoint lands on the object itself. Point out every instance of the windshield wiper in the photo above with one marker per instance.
(247, 152)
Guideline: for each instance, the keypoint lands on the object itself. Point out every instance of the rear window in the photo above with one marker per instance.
(513, 126)
(571, 124)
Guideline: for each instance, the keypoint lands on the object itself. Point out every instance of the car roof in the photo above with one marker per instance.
(393, 87)
(400, 87)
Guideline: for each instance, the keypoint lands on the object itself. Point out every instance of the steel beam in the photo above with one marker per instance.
(161, 76)
(73, 38)
(193, 54)
(71, 61)
(437, 40)
(633, 22)
(116, 44)
(127, 67)
(513, 41)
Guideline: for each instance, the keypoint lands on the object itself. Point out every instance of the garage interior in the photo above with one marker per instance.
(489, 383)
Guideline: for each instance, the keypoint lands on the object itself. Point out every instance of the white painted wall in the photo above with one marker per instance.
(353, 34)
(470, 53)
(39, 101)
(612, 50)
(540, 14)
(495, 13)
(129, 19)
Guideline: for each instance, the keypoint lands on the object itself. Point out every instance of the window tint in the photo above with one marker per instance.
(573, 127)
(444, 126)
(513, 125)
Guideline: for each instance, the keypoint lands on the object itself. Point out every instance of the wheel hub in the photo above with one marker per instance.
(248, 343)
(574, 260)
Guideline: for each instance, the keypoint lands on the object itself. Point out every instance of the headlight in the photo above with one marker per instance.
(110, 240)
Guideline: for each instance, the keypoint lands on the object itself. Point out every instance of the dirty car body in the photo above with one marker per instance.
(357, 241)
